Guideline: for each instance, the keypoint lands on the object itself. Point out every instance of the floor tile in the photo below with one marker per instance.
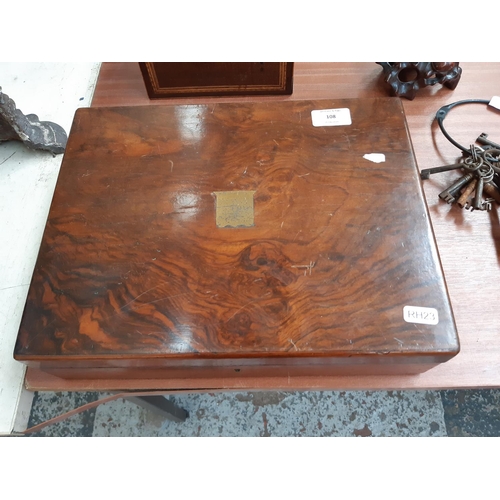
(354, 413)
(47, 405)
(472, 412)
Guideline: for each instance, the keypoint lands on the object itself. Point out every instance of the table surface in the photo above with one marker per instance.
(468, 242)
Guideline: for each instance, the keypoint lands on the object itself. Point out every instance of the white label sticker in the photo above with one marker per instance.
(375, 157)
(422, 315)
(331, 117)
(495, 102)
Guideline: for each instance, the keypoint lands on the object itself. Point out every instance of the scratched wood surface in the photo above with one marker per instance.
(468, 243)
(133, 269)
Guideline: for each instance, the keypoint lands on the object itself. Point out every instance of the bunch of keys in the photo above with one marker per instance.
(481, 177)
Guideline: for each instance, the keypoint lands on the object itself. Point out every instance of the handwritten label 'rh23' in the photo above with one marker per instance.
(421, 315)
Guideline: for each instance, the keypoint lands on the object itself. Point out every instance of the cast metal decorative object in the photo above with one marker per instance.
(36, 134)
(406, 78)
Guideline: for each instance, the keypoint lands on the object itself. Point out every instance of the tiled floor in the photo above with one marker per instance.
(332, 413)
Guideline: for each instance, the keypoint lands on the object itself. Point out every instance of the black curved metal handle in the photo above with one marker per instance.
(442, 113)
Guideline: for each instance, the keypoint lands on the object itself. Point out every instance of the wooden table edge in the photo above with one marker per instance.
(37, 380)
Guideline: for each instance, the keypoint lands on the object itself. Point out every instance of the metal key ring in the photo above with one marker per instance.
(487, 155)
(486, 172)
(472, 164)
(443, 112)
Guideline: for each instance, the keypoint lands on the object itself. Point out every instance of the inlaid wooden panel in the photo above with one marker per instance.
(188, 79)
(134, 273)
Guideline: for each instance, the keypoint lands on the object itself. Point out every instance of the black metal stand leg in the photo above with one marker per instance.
(160, 405)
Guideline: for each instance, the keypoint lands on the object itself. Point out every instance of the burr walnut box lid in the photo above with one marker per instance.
(239, 236)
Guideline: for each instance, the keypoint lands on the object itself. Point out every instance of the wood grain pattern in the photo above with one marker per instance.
(121, 84)
(134, 274)
(469, 244)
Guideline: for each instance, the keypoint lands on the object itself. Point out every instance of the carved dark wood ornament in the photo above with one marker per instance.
(406, 78)
(36, 134)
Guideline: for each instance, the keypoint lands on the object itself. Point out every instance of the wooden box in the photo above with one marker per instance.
(193, 79)
(238, 239)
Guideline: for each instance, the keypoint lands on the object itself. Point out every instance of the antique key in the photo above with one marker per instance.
(484, 174)
(478, 195)
(470, 163)
(480, 168)
(483, 139)
(491, 190)
(426, 173)
(449, 194)
(464, 197)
